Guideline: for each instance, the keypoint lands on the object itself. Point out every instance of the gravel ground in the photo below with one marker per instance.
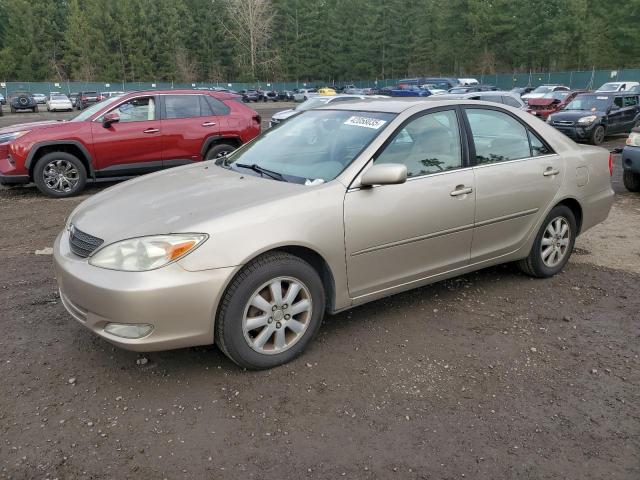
(492, 375)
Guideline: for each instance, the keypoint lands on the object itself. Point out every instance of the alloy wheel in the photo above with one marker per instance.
(555, 242)
(60, 176)
(277, 315)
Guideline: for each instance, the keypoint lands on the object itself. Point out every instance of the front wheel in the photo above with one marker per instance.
(597, 136)
(270, 311)
(631, 181)
(553, 244)
(59, 175)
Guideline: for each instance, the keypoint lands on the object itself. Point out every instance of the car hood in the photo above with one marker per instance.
(543, 101)
(183, 199)
(573, 115)
(283, 115)
(31, 126)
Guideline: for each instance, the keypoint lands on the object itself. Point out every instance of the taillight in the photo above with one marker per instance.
(634, 139)
(610, 164)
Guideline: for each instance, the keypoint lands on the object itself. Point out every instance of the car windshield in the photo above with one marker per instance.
(311, 103)
(543, 89)
(609, 87)
(88, 113)
(315, 146)
(590, 102)
(559, 95)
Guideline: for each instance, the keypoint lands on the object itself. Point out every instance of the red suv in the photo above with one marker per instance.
(127, 135)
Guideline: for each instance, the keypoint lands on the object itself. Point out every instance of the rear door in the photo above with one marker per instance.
(517, 177)
(616, 117)
(132, 145)
(187, 120)
(630, 111)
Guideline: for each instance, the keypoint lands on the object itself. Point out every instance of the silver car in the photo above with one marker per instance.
(508, 98)
(313, 102)
(334, 208)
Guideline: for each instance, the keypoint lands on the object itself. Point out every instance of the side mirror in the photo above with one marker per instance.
(109, 118)
(384, 174)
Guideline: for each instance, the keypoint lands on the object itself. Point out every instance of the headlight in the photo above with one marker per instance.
(634, 139)
(10, 137)
(587, 120)
(146, 253)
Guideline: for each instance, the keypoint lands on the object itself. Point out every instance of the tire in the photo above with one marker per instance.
(597, 136)
(35, 109)
(219, 150)
(535, 264)
(631, 180)
(231, 335)
(13, 110)
(65, 163)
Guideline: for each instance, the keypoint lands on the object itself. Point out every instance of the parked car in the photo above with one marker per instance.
(435, 89)
(318, 215)
(41, 98)
(133, 134)
(592, 116)
(73, 97)
(409, 91)
(468, 81)
(270, 95)
(22, 101)
(3, 101)
(506, 98)
(285, 96)
(250, 96)
(542, 90)
(552, 102)
(522, 90)
(353, 91)
(631, 161)
(85, 99)
(472, 88)
(617, 86)
(326, 91)
(58, 102)
(303, 94)
(313, 102)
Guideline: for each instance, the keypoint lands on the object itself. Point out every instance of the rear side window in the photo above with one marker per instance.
(181, 106)
(215, 106)
(497, 136)
(630, 101)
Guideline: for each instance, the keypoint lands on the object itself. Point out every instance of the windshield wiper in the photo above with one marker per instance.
(261, 170)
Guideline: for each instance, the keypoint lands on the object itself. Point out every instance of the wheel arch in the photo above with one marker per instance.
(575, 208)
(68, 146)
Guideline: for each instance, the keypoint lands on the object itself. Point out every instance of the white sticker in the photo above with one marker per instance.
(366, 122)
(603, 98)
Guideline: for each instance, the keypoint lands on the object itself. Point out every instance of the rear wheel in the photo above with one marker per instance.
(270, 311)
(631, 181)
(60, 174)
(597, 136)
(220, 150)
(553, 244)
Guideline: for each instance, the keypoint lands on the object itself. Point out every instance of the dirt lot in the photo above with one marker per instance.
(489, 376)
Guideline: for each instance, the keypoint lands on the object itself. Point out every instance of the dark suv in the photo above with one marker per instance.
(84, 99)
(592, 116)
(123, 136)
(22, 101)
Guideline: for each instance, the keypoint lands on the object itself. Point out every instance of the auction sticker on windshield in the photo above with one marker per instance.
(366, 122)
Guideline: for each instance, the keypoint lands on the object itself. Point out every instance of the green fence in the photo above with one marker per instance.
(575, 79)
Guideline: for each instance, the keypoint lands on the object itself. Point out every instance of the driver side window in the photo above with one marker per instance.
(427, 144)
(139, 109)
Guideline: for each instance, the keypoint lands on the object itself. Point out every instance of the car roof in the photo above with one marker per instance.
(391, 105)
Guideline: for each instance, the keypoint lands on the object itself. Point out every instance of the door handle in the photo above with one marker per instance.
(208, 124)
(461, 190)
(151, 130)
(550, 172)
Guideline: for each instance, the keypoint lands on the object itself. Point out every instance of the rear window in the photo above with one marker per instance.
(216, 106)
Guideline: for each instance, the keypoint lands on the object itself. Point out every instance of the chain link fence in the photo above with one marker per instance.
(575, 79)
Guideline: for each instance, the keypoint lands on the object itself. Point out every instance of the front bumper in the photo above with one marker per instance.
(631, 159)
(575, 132)
(180, 305)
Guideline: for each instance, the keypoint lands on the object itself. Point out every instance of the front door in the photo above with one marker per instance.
(187, 120)
(132, 145)
(399, 234)
(517, 177)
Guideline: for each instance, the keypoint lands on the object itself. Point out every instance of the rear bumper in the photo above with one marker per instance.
(631, 159)
(596, 208)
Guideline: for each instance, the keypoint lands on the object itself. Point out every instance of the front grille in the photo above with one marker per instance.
(563, 123)
(81, 243)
